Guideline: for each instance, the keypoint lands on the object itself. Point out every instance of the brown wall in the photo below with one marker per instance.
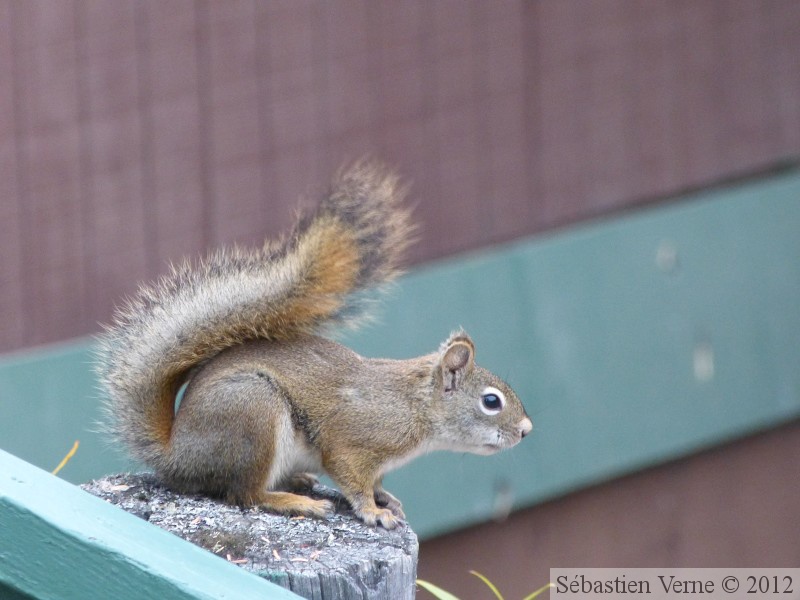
(134, 133)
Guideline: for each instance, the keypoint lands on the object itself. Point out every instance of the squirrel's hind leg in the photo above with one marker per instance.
(287, 503)
(301, 482)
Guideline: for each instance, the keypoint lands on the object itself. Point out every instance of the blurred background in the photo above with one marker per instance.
(608, 193)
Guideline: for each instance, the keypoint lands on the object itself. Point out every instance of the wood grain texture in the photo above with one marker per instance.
(151, 131)
(174, 150)
(335, 558)
(12, 300)
(111, 139)
(51, 217)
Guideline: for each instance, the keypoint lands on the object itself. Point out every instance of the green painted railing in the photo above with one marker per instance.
(59, 542)
(631, 341)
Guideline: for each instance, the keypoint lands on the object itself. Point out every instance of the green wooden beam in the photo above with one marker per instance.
(59, 542)
(632, 341)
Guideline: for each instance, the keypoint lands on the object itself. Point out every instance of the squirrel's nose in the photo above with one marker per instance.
(525, 427)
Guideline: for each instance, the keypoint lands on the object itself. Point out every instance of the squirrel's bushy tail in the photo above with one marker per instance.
(353, 241)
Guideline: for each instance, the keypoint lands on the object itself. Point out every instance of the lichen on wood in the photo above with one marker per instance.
(334, 558)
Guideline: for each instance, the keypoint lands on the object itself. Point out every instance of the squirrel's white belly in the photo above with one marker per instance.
(293, 454)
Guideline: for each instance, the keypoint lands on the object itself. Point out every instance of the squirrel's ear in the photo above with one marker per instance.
(458, 358)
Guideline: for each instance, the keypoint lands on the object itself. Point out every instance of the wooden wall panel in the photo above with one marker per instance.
(505, 109)
(563, 111)
(235, 128)
(747, 103)
(12, 302)
(150, 131)
(174, 146)
(111, 166)
(638, 101)
(781, 24)
(292, 89)
(52, 217)
(652, 119)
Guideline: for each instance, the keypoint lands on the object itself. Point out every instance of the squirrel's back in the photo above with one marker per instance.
(313, 277)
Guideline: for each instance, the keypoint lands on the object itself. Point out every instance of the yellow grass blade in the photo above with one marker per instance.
(539, 591)
(489, 583)
(435, 590)
(65, 460)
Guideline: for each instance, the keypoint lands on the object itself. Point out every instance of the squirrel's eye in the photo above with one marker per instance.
(492, 401)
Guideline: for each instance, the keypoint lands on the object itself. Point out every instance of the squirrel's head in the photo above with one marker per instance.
(479, 412)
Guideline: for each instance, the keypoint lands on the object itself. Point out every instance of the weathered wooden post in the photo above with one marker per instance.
(338, 558)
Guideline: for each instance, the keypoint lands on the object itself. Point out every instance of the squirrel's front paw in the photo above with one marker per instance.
(386, 500)
(379, 516)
